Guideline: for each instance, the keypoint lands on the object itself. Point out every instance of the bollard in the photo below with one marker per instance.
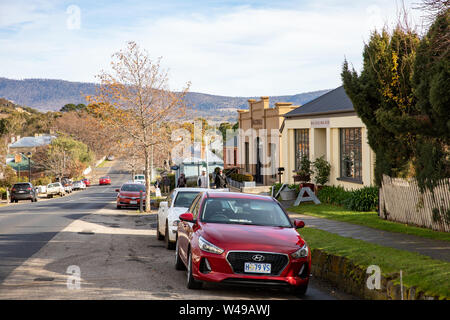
(141, 209)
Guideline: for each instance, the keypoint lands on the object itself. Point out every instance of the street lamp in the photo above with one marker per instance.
(29, 166)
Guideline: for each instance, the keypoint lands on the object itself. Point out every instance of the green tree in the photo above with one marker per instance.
(431, 82)
(382, 97)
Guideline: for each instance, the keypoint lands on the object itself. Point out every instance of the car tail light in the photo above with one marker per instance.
(28, 188)
(13, 189)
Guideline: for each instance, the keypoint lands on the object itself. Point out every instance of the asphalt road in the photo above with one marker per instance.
(115, 251)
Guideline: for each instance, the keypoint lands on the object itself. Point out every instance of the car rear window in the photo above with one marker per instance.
(21, 186)
(133, 187)
(184, 198)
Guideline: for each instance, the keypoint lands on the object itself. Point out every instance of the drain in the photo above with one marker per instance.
(44, 279)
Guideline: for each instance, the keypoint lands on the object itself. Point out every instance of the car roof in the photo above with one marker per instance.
(191, 189)
(237, 195)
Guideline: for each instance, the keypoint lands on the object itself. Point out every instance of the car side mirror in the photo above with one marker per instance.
(188, 217)
(298, 223)
(117, 190)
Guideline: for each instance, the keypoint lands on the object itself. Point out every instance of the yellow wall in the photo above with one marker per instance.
(325, 141)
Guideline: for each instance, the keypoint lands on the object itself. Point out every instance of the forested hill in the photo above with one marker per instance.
(47, 94)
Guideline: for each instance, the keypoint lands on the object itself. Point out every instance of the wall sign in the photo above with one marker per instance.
(320, 123)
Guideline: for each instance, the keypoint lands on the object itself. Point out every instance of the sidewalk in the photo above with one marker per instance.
(435, 249)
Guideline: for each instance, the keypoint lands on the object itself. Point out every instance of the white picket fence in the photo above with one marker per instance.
(402, 201)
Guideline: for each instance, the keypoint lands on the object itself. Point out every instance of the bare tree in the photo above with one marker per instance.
(135, 98)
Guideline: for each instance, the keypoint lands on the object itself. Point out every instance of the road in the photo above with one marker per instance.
(115, 251)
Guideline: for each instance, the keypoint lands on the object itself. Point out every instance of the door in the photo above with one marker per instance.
(258, 176)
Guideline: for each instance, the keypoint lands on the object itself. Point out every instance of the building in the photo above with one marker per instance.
(260, 149)
(29, 144)
(230, 152)
(328, 126)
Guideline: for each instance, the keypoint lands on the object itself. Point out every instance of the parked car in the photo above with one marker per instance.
(242, 239)
(78, 185)
(68, 185)
(104, 180)
(178, 202)
(139, 178)
(110, 158)
(55, 188)
(129, 195)
(23, 191)
(41, 189)
(87, 182)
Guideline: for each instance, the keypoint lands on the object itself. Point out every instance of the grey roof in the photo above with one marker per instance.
(335, 101)
(31, 142)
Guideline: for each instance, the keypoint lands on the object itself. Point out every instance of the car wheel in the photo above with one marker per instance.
(179, 265)
(159, 236)
(191, 283)
(300, 291)
(118, 207)
(169, 245)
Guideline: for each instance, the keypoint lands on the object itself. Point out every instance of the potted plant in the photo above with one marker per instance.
(303, 174)
(322, 169)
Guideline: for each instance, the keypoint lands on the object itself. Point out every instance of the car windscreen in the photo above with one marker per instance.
(104, 178)
(53, 185)
(133, 187)
(184, 198)
(244, 211)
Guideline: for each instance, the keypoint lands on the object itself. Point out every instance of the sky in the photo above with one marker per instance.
(231, 48)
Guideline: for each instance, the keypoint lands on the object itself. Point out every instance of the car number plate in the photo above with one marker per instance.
(133, 202)
(257, 267)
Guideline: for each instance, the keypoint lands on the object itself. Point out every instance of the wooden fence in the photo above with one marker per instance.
(402, 201)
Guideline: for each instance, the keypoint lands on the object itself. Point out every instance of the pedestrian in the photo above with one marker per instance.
(181, 181)
(166, 184)
(221, 180)
(202, 180)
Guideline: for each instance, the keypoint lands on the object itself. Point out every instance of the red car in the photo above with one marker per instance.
(86, 182)
(129, 195)
(240, 238)
(104, 180)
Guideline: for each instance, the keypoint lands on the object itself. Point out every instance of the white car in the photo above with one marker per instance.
(79, 185)
(139, 178)
(178, 202)
(55, 188)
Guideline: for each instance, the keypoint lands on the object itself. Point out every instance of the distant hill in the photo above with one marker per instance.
(52, 95)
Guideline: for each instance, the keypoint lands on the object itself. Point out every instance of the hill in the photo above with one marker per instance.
(51, 95)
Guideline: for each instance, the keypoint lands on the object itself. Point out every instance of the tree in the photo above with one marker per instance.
(65, 156)
(431, 83)
(382, 97)
(135, 98)
(72, 107)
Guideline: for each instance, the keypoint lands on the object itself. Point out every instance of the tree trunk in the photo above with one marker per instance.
(147, 179)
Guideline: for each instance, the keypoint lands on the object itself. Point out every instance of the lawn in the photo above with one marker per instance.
(368, 219)
(429, 275)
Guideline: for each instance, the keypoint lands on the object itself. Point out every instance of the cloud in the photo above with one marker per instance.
(238, 51)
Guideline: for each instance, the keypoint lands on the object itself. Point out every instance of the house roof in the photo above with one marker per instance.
(31, 142)
(335, 101)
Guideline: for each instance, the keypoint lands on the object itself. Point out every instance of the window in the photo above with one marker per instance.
(301, 137)
(350, 154)
(273, 160)
(244, 211)
(184, 199)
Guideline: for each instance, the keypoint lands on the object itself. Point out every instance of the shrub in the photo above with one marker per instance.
(2, 193)
(333, 195)
(241, 177)
(365, 199)
(322, 170)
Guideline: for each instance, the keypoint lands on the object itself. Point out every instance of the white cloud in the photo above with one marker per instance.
(242, 52)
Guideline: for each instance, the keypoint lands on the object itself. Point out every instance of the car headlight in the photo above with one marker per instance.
(175, 223)
(208, 246)
(301, 253)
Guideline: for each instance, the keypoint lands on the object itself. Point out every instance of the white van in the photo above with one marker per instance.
(139, 178)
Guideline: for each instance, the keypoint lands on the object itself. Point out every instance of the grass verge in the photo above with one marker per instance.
(426, 274)
(368, 219)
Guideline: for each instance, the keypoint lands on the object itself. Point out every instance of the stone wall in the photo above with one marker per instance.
(352, 279)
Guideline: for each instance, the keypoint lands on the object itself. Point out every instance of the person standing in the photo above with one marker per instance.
(221, 180)
(181, 181)
(202, 180)
(166, 184)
